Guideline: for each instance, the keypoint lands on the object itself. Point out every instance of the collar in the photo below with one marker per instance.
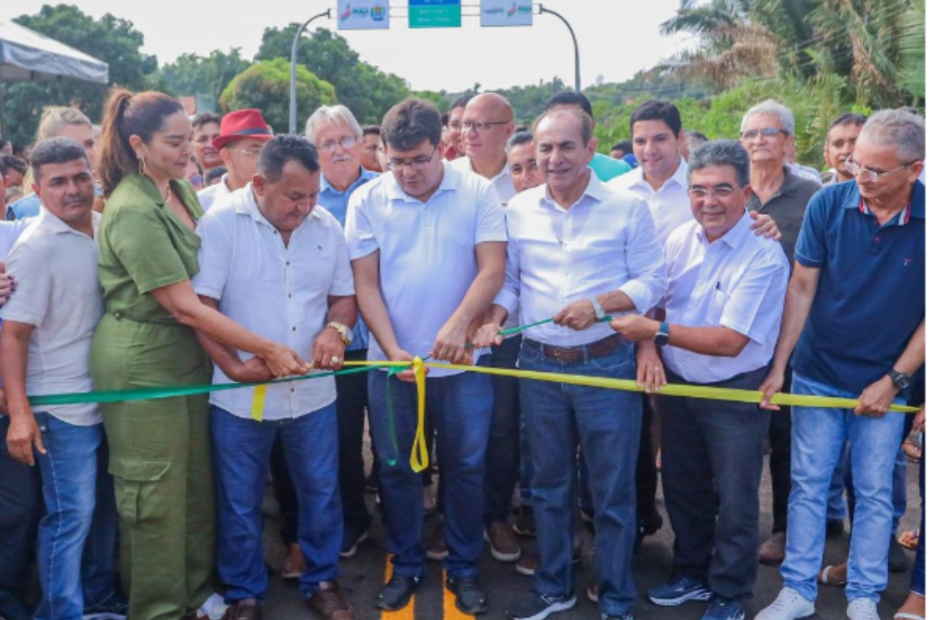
(505, 171)
(363, 177)
(596, 189)
(59, 226)
(244, 203)
(450, 182)
(680, 177)
(916, 206)
(734, 236)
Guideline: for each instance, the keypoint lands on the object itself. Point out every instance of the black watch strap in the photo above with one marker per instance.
(900, 380)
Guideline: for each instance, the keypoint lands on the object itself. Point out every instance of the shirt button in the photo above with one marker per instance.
(288, 295)
(294, 329)
(288, 263)
(292, 389)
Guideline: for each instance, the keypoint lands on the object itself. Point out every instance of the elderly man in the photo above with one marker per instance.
(721, 318)
(839, 144)
(427, 244)
(767, 131)
(578, 251)
(276, 265)
(845, 344)
(337, 137)
(206, 126)
(487, 124)
(45, 345)
(242, 134)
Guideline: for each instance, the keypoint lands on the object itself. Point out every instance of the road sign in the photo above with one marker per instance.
(435, 13)
(362, 14)
(506, 12)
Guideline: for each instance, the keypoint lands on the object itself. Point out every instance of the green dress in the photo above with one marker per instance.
(159, 449)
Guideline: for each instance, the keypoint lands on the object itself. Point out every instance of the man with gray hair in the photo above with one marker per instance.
(768, 134)
(337, 136)
(846, 337)
(717, 325)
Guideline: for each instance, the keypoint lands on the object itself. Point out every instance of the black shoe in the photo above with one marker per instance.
(897, 561)
(533, 606)
(396, 593)
(525, 523)
(13, 607)
(468, 597)
(836, 528)
(352, 537)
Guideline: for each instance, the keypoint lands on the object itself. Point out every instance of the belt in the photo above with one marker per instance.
(581, 353)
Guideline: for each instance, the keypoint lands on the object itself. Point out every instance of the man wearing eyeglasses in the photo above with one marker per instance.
(854, 322)
(242, 135)
(767, 132)
(717, 326)
(428, 246)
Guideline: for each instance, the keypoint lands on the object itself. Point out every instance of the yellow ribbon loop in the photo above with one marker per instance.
(419, 455)
(258, 402)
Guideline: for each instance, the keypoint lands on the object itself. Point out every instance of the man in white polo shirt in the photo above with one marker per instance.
(44, 349)
(722, 315)
(278, 265)
(428, 248)
(576, 252)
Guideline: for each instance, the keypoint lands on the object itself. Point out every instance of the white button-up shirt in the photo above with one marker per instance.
(738, 281)
(501, 181)
(279, 292)
(555, 256)
(427, 250)
(59, 293)
(209, 196)
(670, 205)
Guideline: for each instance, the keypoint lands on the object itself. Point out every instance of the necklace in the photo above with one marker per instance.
(168, 193)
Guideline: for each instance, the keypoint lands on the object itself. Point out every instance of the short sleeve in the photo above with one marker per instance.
(215, 257)
(343, 281)
(811, 249)
(360, 235)
(29, 304)
(491, 225)
(141, 243)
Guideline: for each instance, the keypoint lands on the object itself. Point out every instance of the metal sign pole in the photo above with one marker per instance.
(542, 10)
(292, 117)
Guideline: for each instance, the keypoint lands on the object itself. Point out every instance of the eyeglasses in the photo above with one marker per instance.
(346, 143)
(768, 132)
(417, 163)
(719, 191)
(871, 175)
(481, 126)
(250, 152)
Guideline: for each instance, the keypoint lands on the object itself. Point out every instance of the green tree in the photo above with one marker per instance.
(192, 74)
(362, 87)
(266, 86)
(110, 39)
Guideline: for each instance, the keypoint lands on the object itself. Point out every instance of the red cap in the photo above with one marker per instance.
(247, 123)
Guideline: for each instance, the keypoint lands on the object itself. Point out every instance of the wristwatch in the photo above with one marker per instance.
(900, 380)
(344, 332)
(661, 337)
(598, 309)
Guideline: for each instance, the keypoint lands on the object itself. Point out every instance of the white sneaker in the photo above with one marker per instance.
(862, 609)
(789, 605)
(214, 608)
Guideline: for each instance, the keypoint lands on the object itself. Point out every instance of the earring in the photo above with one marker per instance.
(141, 161)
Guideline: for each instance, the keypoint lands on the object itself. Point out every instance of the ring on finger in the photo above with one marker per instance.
(334, 359)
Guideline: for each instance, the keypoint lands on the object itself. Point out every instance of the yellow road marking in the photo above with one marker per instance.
(449, 610)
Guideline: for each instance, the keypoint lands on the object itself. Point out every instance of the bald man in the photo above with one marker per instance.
(487, 124)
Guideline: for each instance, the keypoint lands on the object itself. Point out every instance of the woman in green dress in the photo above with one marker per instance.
(159, 449)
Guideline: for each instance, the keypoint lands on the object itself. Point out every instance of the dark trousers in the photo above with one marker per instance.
(351, 403)
(780, 464)
(503, 459)
(712, 453)
(646, 474)
(20, 511)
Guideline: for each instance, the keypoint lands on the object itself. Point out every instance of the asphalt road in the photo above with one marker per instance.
(363, 574)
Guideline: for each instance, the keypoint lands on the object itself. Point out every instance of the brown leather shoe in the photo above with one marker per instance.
(504, 544)
(294, 564)
(772, 550)
(329, 602)
(248, 609)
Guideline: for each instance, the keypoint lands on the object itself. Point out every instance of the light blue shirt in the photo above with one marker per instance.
(337, 203)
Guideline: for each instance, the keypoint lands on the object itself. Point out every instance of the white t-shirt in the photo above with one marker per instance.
(275, 291)
(427, 250)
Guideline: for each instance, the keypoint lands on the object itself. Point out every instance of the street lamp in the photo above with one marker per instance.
(542, 10)
(292, 117)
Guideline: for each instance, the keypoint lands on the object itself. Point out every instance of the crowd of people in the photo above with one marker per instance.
(161, 250)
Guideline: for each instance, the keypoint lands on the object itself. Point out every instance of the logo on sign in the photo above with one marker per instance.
(378, 13)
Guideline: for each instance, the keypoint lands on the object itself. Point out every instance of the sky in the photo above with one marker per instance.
(616, 38)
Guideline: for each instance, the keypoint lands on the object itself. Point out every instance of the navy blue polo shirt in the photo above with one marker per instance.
(870, 298)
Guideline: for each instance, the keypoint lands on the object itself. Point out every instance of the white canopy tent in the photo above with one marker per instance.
(28, 55)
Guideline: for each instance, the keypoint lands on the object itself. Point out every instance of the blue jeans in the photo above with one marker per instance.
(460, 406)
(607, 425)
(77, 535)
(819, 435)
(241, 453)
(918, 577)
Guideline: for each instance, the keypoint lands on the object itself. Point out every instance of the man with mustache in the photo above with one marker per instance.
(767, 131)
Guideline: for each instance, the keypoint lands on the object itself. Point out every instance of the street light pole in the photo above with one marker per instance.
(542, 10)
(292, 117)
